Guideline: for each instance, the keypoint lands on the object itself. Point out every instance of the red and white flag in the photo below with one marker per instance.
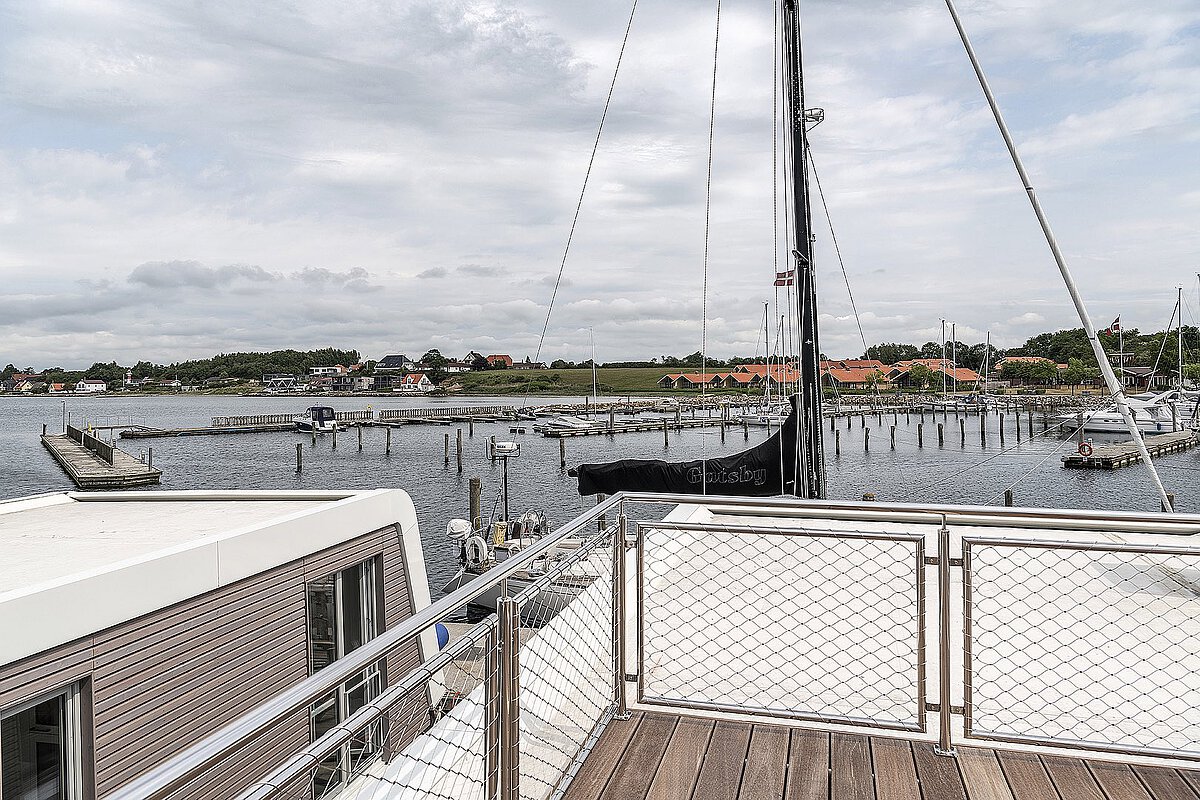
(785, 278)
(1115, 327)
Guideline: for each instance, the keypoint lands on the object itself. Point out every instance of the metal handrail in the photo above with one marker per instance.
(173, 774)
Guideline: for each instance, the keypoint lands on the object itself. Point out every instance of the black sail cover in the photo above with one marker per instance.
(764, 470)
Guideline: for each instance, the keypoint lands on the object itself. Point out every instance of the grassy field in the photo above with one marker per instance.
(611, 381)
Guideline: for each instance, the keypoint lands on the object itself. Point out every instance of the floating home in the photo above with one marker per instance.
(134, 624)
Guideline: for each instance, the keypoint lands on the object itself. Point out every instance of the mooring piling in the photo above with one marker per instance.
(299, 457)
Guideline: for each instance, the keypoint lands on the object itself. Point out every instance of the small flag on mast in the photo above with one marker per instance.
(785, 278)
(1115, 327)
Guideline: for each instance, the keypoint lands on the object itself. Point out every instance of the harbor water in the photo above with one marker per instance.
(967, 472)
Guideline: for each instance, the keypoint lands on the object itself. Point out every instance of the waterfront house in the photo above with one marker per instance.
(500, 361)
(134, 624)
(91, 387)
(394, 363)
(29, 385)
(58, 388)
(855, 373)
(363, 383)
(336, 369)
(414, 383)
(899, 373)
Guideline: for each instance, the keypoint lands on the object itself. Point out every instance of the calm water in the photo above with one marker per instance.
(957, 473)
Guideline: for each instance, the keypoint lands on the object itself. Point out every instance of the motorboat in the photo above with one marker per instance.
(319, 419)
(567, 422)
(1153, 413)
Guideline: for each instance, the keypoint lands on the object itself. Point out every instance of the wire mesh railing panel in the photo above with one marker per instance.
(1086, 645)
(824, 625)
(566, 658)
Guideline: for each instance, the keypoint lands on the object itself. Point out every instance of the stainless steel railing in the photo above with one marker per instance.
(1073, 629)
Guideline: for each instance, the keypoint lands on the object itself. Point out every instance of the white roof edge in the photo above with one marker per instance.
(38, 617)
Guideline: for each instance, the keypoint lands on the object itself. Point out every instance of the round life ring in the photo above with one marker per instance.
(1085, 449)
(475, 551)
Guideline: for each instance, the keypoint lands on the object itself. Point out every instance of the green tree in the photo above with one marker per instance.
(921, 375)
(891, 352)
(434, 360)
(1078, 372)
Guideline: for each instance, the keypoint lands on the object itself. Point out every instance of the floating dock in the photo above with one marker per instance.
(86, 460)
(637, 427)
(157, 433)
(1122, 454)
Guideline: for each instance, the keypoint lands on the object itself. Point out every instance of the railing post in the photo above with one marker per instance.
(509, 613)
(945, 746)
(621, 706)
(492, 716)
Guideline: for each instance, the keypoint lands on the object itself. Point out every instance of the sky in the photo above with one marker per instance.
(179, 179)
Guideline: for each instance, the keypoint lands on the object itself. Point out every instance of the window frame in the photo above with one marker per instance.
(74, 699)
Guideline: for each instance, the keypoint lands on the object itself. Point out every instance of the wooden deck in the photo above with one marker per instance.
(667, 757)
(89, 471)
(1122, 454)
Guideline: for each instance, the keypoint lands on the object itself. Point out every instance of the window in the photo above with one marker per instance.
(343, 613)
(40, 750)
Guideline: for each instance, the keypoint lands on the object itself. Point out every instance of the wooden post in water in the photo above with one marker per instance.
(459, 438)
(962, 431)
(831, 421)
(360, 437)
(43, 429)
(1001, 419)
(491, 448)
(475, 489)
(334, 435)
(1030, 415)
(941, 436)
(299, 458)
(149, 458)
(446, 449)
(922, 410)
(722, 424)
(387, 447)
(983, 431)
(837, 443)
(562, 453)
(611, 417)
(314, 437)
(893, 437)
(920, 434)
(666, 439)
(745, 430)
(1008, 497)
(866, 439)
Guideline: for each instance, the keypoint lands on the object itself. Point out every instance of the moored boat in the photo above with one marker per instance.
(318, 419)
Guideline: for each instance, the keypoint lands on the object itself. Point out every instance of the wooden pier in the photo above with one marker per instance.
(1122, 454)
(93, 464)
(157, 433)
(636, 427)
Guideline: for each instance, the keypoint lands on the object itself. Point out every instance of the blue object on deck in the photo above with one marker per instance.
(443, 635)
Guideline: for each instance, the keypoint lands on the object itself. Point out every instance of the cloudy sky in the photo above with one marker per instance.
(179, 179)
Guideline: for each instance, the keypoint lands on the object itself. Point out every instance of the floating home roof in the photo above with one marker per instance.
(73, 564)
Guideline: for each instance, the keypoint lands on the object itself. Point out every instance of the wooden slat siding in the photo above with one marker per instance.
(631, 779)
(593, 775)
(680, 766)
(1026, 775)
(38, 674)
(850, 767)
(982, 775)
(163, 681)
(895, 770)
(721, 772)
(939, 775)
(1164, 783)
(1192, 778)
(808, 766)
(766, 764)
(1118, 781)
(1072, 779)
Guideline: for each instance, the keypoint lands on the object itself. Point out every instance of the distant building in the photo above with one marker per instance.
(336, 369)
(363, 383)
(500, 360)
(414, 383)
(472, 357)
(58, 388)
(457, 366)
(91, 387)
(280, 383)
(394, 363)
(855, 373)
(527, 364)
(898, 373)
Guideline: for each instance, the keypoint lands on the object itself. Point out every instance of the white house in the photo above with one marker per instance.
(91, 387)
(414, 383)
(336, 369)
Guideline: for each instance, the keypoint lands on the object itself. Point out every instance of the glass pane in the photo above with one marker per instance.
(352, 609)
(323, 718)
(322, 619)
(33, 747)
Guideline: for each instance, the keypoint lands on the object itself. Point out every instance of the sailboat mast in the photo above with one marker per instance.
(1179, 336)
(810, 450)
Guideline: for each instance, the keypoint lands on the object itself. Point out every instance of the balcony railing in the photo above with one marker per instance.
(951, 624)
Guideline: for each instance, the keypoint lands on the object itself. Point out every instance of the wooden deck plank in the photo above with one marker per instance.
(680, 765)
(1192, 778)
(1072, 778)
(766, 764)
(808, 766)
(1164, 783)
(982, 776)
(599, 765)
(895, 770)
(939, 775)
(634, 772)
(850, 775)
(721, 772)
(1118, 781)
(1027, 776)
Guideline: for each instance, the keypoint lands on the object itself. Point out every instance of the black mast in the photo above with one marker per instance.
(810, 453)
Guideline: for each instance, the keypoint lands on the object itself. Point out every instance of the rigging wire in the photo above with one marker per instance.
(812, 165)
(582, 191)
(712, 118)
